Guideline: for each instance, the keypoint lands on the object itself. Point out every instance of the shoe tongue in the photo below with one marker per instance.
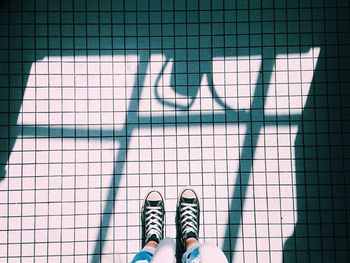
(154, 203)
(188, 200)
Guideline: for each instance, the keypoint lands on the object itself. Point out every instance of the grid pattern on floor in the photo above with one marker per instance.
(245, 102)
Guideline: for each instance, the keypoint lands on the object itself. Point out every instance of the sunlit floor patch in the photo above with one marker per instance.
(76, 138)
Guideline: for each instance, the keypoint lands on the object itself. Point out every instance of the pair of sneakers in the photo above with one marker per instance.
(187, 216)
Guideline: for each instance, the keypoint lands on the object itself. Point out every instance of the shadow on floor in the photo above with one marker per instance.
(322, 155)
(192, 39)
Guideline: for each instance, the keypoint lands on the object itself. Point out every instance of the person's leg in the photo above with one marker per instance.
(152, 226)
(189, 211)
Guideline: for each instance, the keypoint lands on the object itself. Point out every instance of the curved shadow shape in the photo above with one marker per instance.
(208, 72)
(163, 101)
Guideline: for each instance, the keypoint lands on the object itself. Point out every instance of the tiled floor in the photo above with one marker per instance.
(247, 103)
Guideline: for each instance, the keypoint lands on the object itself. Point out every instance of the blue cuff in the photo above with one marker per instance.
(191, 255)
(144, 254)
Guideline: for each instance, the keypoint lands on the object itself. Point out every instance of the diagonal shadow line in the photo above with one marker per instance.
(131, 117)
(247, 154)
(110, 200)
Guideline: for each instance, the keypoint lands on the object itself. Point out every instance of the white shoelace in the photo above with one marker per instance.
(154, 221)
(189, 218)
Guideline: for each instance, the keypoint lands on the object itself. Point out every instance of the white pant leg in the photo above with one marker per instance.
(210, 253)
(165, 252)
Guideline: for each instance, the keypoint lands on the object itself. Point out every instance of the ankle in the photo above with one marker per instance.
(190, 243)
(152, 245)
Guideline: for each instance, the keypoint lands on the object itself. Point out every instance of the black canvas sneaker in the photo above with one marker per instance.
(188, 214)
(153, 217)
